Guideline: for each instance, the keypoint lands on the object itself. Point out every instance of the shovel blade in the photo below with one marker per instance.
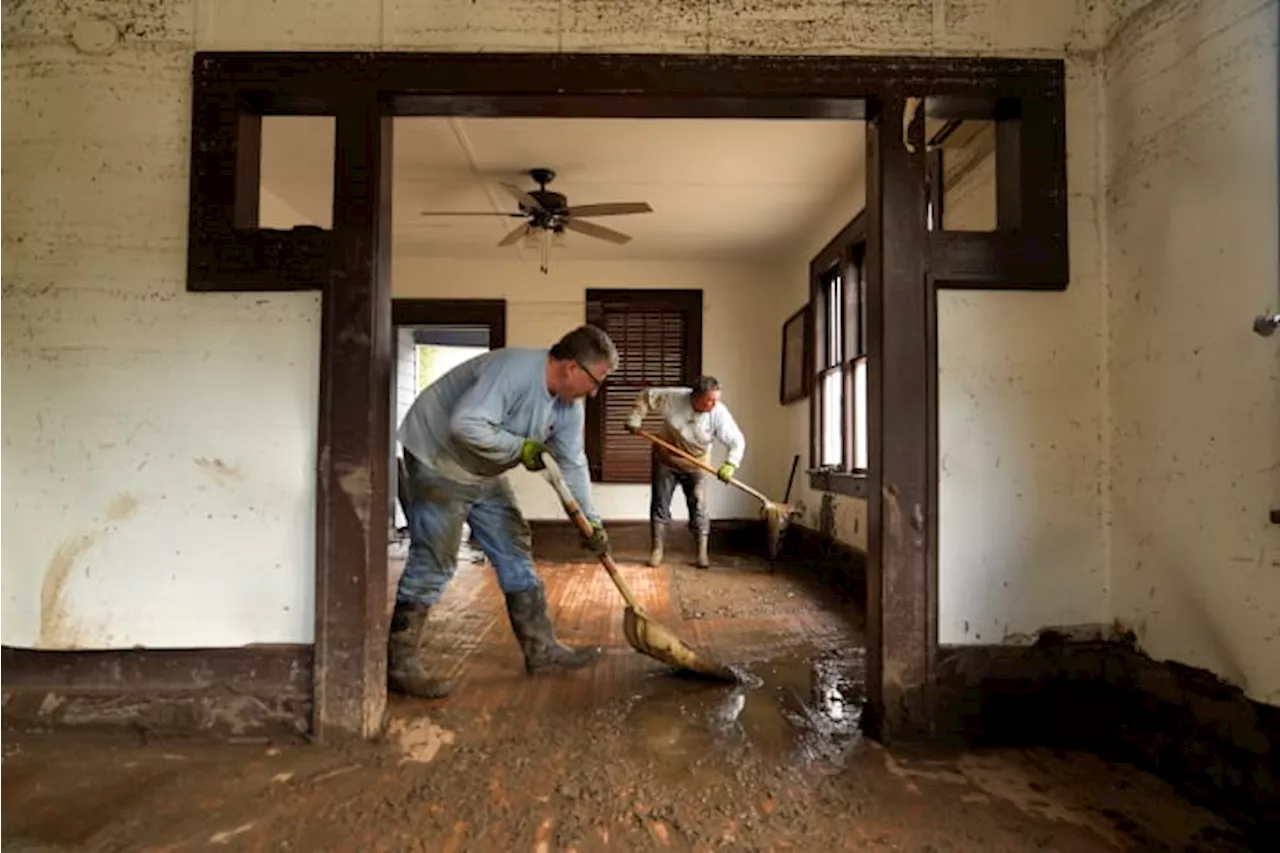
(652, 639)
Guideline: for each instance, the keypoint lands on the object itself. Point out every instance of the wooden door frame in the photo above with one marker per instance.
(350, 264)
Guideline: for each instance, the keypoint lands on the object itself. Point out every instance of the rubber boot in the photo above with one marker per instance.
(532, 626)
(704, 561)
(657, 539)
(405, 671)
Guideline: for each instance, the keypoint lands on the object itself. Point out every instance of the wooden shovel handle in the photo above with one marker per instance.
(553, 476)
(733, 481)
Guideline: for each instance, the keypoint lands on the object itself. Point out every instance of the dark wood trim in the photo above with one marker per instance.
(839, 482)
(355, 408)
(251, 691)
(901, 616)
(554, 537)
(248, 174)
(838, 247)
(688, 301)
(348, 264)
(627, 105)
(731, 82)
(1029, 250)
(491, 313)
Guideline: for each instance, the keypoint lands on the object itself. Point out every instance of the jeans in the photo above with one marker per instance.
(693, 483)
(437, 509)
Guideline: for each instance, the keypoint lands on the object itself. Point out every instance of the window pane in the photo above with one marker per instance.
(860, 453)
(296, 172)
(832, 442)
(835, 320)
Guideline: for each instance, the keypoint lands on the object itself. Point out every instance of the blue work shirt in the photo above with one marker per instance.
(470, 424)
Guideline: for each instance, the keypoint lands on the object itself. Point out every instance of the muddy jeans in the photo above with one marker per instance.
(437, 509)
(663, 486)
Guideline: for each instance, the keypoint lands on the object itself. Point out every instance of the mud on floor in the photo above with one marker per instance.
(623, 756)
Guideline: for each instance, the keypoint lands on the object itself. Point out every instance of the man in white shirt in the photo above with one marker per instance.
(692, 418)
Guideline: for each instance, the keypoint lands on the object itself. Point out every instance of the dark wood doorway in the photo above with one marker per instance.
(905, 259)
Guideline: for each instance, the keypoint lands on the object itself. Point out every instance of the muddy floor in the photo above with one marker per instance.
(624, 756)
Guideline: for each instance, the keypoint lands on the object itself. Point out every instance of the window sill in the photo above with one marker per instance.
(853, 485)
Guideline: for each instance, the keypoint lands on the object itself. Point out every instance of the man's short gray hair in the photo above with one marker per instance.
(705, 385)
(587, 345)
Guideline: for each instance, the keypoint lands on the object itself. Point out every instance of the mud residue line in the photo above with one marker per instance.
(356, 483)
(56, 627)
(122, 507)
(219, 469)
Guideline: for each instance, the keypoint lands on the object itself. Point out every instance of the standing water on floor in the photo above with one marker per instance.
(804, 712)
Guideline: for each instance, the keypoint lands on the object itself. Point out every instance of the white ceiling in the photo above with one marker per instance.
(720, 188)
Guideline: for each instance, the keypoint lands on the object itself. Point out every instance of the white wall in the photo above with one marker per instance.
(1021, 421)
(541, 308)
(1192, 257)
(159, 446)
(118, 382)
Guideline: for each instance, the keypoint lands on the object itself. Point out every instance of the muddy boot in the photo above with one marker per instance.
(532, 626)
(405, 672)
(704, 561)
(657, 539)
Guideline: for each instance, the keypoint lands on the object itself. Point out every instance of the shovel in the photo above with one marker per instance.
(776, 515)
(645, 635)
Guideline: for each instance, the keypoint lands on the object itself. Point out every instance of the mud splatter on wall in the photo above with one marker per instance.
(1195, 395)
(118, 378)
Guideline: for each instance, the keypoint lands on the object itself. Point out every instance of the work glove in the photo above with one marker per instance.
(598, 542)
(531, 454)
(725, 472)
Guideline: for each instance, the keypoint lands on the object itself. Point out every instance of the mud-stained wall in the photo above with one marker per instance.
(1191, 94)
(1021, 424)
(159, 446)
(541, 308)
(124, 388)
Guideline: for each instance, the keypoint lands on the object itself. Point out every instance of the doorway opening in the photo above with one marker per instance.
(431, 338)
(368, 94)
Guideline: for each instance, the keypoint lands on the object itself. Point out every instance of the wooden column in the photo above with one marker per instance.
(355, 376)
(902, 376)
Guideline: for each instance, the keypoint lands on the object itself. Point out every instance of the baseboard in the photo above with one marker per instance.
(1110, 698)
(252, 692)
(728, 535)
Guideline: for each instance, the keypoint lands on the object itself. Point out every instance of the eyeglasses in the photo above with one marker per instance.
(595, 380)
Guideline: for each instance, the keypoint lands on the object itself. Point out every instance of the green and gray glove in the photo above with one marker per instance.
(531, 454)
(598, 542)
(725, 472)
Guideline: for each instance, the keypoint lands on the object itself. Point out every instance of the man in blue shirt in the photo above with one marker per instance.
(481, 419)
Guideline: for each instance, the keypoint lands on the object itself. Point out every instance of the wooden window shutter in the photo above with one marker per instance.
(658, 334)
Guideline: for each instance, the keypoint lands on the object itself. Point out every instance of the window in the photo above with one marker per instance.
(839, 404)
(658, 334)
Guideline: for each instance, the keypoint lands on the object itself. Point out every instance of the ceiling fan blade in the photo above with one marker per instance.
(515, 235)
(612, 209)
(522, 196)
(593, 230)
(463, 213)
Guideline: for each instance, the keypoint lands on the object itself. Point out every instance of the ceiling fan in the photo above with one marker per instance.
(549, 212)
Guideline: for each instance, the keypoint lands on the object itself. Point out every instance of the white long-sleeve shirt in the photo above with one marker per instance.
(690, 430)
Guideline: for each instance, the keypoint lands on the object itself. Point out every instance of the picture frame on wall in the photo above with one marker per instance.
(797, 348)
